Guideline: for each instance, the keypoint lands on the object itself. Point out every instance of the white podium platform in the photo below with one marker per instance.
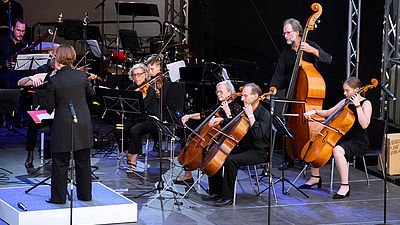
(106, 207)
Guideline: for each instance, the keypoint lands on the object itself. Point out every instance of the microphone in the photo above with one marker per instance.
(388, 93)
(173, 27)
(73, 114)
(22, 206)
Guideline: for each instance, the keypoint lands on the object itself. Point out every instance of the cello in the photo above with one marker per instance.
(192, 155)
(306, 85)
(318, 150)
(234, 131)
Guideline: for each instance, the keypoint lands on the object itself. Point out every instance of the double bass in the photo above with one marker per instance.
(192, 154)
(318, 150)
(306, 85)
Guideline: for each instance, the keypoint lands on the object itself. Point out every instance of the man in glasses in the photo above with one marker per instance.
(312, 53)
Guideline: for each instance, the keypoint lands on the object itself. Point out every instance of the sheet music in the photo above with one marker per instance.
(173, 69)
(94, 47)
(30, 61)
(40, 115)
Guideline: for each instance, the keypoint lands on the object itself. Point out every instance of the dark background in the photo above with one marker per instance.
(233, 30)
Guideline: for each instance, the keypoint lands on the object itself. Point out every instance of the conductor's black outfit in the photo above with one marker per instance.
(252, 149)
(70, 86)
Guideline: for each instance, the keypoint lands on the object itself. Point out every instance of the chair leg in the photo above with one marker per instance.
(42, 147)
(257, 179)
(234, 192)
(366, 172)
(251, 180)
(146, 155)
(383, 170)
(332, 169)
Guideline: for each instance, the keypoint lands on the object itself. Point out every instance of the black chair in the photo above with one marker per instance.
(376, 136)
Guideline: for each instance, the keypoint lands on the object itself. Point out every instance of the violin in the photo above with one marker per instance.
(318, 150)
(192, 154)
(143, 88)
(92, 76)
(157, 79)
(233, 132)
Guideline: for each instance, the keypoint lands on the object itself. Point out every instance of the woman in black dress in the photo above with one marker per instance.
(353, 143)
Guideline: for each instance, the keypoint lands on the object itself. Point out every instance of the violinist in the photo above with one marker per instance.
(136, 125)
(353, 143)
(39, 81)
(230, 110)
(48, 67)
(7, 51)
(312, 52)
(252, 149)
(154, 65)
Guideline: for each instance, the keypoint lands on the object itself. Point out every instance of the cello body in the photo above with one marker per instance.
(321, 151)
(309, 87)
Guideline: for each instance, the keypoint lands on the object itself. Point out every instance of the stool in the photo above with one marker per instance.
(43, 131)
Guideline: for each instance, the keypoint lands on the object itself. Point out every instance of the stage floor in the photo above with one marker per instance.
(364, 206)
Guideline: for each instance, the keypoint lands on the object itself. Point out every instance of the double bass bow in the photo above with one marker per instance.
(306, 85)
(192, 154)
(233, 132)
(318, 150)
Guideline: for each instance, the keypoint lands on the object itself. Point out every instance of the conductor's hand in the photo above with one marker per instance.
(215, 121)
(308, 114)
(185, 118)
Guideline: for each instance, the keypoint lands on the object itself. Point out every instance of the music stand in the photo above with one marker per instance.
(72, 29)
(30, 61)
(122, 102)
(136, 9)
(9, 100)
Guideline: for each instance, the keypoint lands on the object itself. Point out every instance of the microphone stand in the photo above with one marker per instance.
(102, 4)
(73, 121)
(9, 41)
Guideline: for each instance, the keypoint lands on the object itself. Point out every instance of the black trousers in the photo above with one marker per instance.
(133, 135)
(60, 165)
(223, 182)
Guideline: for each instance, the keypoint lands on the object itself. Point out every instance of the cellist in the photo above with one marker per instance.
(229, 110)
(312, 52)
(252, 149)
(353, 143)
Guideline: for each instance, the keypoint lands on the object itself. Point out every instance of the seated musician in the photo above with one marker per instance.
(252, 149)
(137, 125)
(154, 65)
(230, 110)
(353, 143)
(39, 81)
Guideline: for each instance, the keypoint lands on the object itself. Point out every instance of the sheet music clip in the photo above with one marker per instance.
(30, 61)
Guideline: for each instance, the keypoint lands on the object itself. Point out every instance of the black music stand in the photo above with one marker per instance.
(121, 101)
(136, 9)
(9, 100)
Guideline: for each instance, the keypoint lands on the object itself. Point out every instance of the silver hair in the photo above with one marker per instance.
(139, 65)
(255, 89)
(295, 24)
(228, 85)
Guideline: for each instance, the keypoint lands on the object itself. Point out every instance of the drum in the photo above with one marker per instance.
(112, 69)
(122, 56)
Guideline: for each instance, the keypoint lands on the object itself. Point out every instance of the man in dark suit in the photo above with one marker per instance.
(65, 87)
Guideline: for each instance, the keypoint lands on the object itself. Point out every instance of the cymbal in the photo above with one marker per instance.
(158, 38)
(187, 54)
(178, 47)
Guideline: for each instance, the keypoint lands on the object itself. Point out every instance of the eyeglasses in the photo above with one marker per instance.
(138, 74)
(287, 32)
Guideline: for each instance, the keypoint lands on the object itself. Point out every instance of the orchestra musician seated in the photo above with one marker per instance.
(137, 125)
(252, 149)
(353, 143)
(39, 81)
(229, 110)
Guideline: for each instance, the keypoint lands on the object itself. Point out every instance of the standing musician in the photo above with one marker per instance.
(65, 87)
(39, 81)
(135, 126)
(230, 110)
(312, 52)
(353, 143)
(8, 50)
(252, 149)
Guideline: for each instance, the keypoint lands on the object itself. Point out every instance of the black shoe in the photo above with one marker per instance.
(213, 197)
(286, 165)
(222, 202)
(188, 182)
(28, 164)
(308, 186)
(53, 202)
(337, 196)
